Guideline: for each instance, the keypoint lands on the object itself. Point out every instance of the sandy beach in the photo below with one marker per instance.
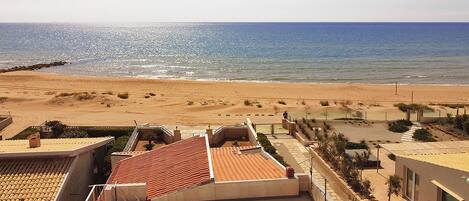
(33, 97)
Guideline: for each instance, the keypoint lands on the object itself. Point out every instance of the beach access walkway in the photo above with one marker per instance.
(298, 157)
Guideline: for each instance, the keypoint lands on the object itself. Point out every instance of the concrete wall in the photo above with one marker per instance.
(236, 190)
(252, 132)
(339, 186)
(124, 192)
(5, 121)
(302, 140)
(233, 133)
(450, 178)
(116, 158)
(80, 176)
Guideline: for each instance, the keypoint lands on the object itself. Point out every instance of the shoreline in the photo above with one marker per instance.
(255, 81)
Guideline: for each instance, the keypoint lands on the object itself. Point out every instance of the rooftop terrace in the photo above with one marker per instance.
(49, 147)
(232, 164)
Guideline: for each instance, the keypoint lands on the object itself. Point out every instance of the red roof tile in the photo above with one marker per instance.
(170, 168)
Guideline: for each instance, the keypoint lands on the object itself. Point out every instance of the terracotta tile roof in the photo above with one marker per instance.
(32, 179)
(231, 165)
(459, 161)
(167, 169)
(49, 146)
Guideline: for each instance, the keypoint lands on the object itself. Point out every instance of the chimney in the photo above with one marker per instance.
(34, 140)
(290, 172)
(177, 134)
(209, 132)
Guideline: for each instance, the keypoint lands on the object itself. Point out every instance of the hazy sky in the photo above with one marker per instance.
(232, 10)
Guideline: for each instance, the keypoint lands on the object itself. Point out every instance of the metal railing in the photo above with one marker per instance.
(95, 192)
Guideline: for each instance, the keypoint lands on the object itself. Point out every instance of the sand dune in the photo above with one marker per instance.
(34, 97)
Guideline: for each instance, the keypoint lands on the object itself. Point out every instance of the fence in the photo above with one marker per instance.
(332, 113)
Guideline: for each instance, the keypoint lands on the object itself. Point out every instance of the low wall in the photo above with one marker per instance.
(236, 190)
(5, 121)
(342, 189)
(252, 132)
(229, 133)
(302, 140)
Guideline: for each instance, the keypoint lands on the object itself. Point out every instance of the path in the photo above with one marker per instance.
(407, 136)
(302, 157)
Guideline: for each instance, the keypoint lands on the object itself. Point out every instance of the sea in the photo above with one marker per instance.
(384, 53)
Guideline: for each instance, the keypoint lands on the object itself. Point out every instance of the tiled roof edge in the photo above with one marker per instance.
(209, 155)
(66, 179)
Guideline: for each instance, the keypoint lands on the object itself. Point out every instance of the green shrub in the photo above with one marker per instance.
(413, 107)
(265, 143)
(466, 127)
(399, 126)
(123, 95)
(324, 103)
(354, 145)
(25, 133)
(149, 146)
(115, 132)
(423, 135)
(392, 157)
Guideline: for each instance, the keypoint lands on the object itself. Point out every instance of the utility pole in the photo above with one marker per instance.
(395, 91)
(412, 98)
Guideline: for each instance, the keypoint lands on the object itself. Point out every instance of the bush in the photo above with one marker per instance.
(281, 102)
(354, 145)
(25, 133)
(265, 143)
(149, 146)
(399, 126)
(423, 135)
(57, 127)
(466, 127)
(123, 95)
(392, 157)
(247, 103)
(413, 107)
(324, 103)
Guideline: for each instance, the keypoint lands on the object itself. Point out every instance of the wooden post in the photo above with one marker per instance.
(395, 91)
(325, 189)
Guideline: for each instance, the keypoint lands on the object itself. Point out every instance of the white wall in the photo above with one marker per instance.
(450, 178)
(236, 190)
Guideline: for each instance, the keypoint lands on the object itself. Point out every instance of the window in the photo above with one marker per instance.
(447, 197)
(412, 185)
(409, 184)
